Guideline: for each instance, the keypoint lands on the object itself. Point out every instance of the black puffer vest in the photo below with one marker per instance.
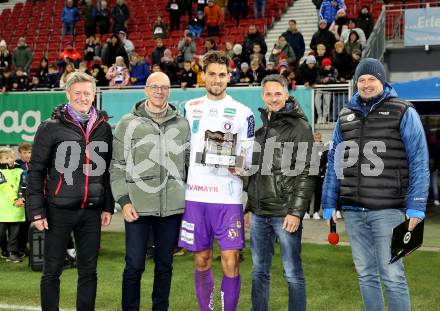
(385, 188)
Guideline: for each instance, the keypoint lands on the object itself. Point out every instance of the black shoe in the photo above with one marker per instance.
(4, 254)
(14, 258)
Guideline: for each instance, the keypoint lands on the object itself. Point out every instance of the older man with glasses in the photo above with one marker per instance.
(148, 181)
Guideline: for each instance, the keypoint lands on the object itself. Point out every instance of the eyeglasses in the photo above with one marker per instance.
(156, 88)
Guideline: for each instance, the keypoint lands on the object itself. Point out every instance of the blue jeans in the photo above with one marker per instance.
(370, 234)
(68, 29)
(165, 232)
(264, 231)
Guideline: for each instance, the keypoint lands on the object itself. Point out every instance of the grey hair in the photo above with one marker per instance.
(78, 76)
(275, 78)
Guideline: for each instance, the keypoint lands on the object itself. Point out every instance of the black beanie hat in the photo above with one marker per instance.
(370, 66)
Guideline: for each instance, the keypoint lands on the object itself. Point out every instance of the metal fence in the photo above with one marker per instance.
(337, 96)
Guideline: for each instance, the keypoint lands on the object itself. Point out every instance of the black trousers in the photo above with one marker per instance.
(166, 234)
(13, 229)
(86, 227)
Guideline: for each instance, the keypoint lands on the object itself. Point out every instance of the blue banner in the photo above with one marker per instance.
(422, 26)
(118, 103)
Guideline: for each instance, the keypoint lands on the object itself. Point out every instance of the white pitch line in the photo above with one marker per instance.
(23, 308)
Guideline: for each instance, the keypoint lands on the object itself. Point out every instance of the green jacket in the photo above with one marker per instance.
(10, 178)
(148, 163)
(22, 57)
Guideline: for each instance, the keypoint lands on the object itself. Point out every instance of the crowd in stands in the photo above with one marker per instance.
(335, 47)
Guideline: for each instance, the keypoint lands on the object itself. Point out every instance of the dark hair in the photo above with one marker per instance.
(215, 57)
(292, 21)
(187, 62)
(24, 147)
(51, 66)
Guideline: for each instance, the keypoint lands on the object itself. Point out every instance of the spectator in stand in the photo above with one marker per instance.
(114, 49)
(365, 21)
(282, 50)
(353, 42)
(128, 44)
(340, 24)
(34, 84)
(22, 55)
(6, 82)
(245, 74)
(353, 26)
(356, 58)
(327, 74)
(259, 5)
(317, 4)
(89, 15)
(118, 74)
(139, 70)
(254, 36)
(69, 18)
(70, 68)
(174, 10)
(270, 69)
(213, 18)
(53, 77)
(42, 72)
(257, 55)
(196, 66)
(295, 39)
(83, 68)
(321, 53)
(69, 55)
(20, 81)
(210, 45)
(197, 24)
(329, 8)
(159, 28)
(5, 56)
(98, 73)
(120, 15)
(291, 77)
(282, 66)
(157, 53)
(186, 7)
(102, 18)
(169, 66)
(188, 78)
(323, 36)
(229, 46)
(237, 9)
(187, 48)
(238, 56)
(308, 72)
(90, 48)
(257, 72)
(342, 62)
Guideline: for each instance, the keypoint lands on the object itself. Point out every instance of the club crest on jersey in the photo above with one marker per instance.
(195, 126)
(233, 233)
(213, 112)
(227, 126)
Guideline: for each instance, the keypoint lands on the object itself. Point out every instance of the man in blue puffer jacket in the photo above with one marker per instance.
(329, 8)
(377, 172)
(69, 18)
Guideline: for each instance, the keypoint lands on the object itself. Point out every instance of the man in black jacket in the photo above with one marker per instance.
(279, 193)
(69, 189)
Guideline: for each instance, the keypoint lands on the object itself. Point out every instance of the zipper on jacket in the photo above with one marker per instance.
(163, 194)
(86, 182)
(361, 134)
(60, 181)
(266, 131)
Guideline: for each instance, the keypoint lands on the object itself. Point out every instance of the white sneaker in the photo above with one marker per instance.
(338, 215)
(316, 216)
(306, 216)
(436, 202)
